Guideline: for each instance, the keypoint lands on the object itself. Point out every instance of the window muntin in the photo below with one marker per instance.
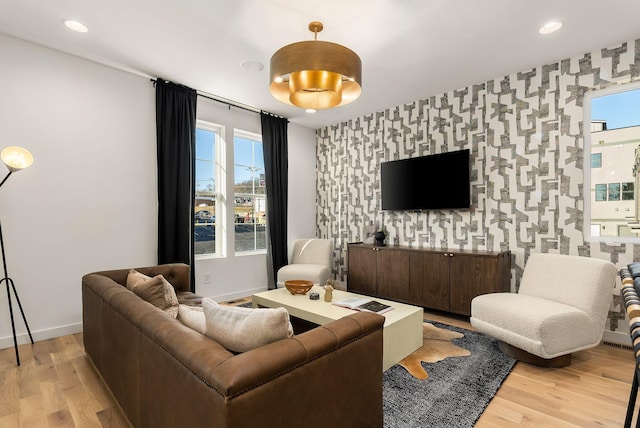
(249, 193)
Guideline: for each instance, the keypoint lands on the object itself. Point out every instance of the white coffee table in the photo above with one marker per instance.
(402, 333)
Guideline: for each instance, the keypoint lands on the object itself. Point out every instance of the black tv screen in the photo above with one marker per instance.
(438, 181)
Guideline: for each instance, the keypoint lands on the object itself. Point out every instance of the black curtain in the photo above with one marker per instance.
(276, 166)
(176, 134)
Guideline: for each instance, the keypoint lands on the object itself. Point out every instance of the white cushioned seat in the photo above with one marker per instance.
(316, 273)
(311, 260)
(541, 327)
(560, 308)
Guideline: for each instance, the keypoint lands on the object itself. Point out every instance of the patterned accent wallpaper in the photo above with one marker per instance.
(525, 134)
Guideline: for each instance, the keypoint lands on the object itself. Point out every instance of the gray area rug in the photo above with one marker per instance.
(458, 388)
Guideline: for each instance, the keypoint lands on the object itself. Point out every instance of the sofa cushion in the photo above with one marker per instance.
(192, 317)
(312, 272)
(157, 291)
(242, 329)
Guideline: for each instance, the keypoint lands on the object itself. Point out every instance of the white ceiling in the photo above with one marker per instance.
(410, 49)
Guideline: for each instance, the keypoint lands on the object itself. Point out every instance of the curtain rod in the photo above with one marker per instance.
(231, 103)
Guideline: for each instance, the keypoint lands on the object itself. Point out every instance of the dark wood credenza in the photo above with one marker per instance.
(446, 280)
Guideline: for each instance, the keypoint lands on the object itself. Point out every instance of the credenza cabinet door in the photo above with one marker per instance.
(468, 275)
(393, 274)
(362, 270)
(430, 280)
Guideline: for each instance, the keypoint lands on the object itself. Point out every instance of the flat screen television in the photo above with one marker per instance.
(438, 181)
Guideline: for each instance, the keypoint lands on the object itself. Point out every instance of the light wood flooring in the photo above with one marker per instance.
(57, 386)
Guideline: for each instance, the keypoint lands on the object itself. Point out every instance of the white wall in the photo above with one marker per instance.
(89, 202)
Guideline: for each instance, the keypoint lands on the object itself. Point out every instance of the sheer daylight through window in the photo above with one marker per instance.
(207, 188)
(249, 193)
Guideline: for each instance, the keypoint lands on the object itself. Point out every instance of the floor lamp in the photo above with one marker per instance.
(15, 158)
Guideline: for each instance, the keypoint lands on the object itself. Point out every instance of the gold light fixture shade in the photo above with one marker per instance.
(16, 158)
(315, 74)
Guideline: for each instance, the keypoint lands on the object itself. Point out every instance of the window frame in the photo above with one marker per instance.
(631, 191)
(251, 136)
(601, 186)
(614, 189)
(219, 160)
(586, 130)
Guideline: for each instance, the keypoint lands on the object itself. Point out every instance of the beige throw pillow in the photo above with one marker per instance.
(157, 291)
(242, 329)
(135, 277)
(193, 317)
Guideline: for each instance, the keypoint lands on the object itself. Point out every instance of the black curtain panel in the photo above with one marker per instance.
(176, 135)
(276, 165)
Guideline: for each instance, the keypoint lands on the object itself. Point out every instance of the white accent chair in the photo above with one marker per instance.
(560, 308)
(311, 260)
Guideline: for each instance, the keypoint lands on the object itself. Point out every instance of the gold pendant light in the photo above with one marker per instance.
(315, 74)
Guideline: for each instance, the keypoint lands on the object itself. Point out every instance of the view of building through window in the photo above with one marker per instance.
(615, 164)
(248, 201)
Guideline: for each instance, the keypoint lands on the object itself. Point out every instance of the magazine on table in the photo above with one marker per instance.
(366, 305)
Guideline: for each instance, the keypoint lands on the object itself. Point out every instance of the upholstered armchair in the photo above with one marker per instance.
(560, 308)
(311, 260)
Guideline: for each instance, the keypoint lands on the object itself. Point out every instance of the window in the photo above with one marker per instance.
(628, 193)
(249, 193)
(207, 188)
(601, 192)
(612, 163)
(614, 191)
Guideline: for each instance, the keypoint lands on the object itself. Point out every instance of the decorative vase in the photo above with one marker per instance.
(379, 239)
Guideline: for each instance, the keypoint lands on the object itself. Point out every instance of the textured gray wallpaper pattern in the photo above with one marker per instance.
(524, 131)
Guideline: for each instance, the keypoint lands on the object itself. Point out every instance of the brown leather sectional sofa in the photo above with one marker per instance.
(164, 374)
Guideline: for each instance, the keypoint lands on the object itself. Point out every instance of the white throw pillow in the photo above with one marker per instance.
(242, 329)
(170, 304)
(193, 317)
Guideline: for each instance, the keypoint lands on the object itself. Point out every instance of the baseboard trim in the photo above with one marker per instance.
(237, 295)
(616, 337)
(23, 337)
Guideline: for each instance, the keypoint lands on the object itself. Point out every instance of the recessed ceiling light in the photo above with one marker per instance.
(75, 26)
(550, 27)
(252, 65)
(310, 110)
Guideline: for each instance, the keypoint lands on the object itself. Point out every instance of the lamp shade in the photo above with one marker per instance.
(315, 74)
(16, 158)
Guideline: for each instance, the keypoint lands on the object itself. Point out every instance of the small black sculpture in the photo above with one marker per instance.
(379, 239)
